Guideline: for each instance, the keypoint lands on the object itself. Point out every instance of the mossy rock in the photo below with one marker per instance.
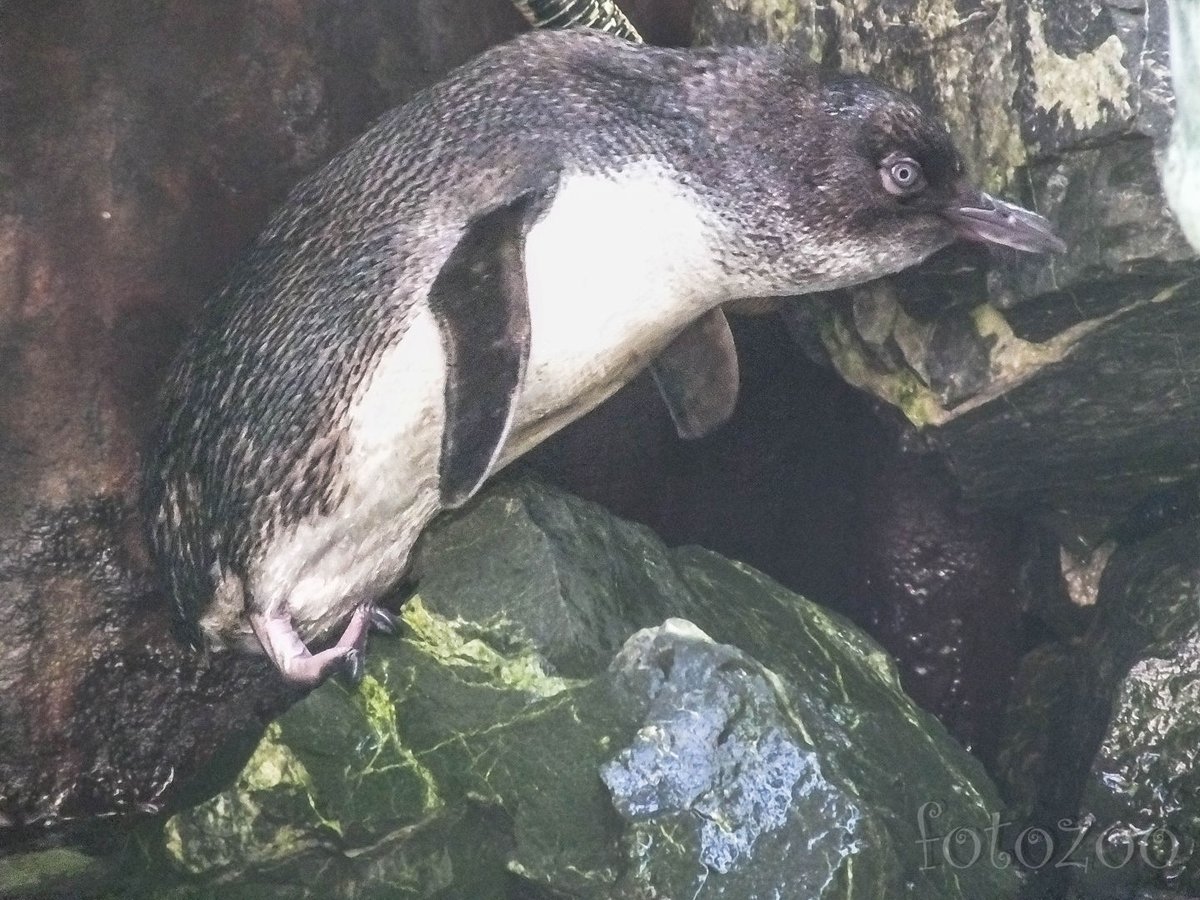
(575, 710)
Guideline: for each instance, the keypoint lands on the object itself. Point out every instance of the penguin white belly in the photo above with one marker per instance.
(615, 268)
(329, 564)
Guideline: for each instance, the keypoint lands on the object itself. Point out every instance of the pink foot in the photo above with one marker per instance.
(297, 663)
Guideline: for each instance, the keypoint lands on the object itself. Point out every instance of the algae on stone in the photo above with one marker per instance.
(57, 872)
(1083, 89)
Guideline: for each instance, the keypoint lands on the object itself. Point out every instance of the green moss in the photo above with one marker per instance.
(46, 872)
(901, 388)
(447, 642)
(460, 766)
(1013, 359)
(228, 828)
(388, 750)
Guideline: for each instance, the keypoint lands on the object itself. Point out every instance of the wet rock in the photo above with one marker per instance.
(123, 713)
(1057, 389)
(939, 586)
(811, 484)
(550, 725)
(1106, 732)
(52, 874)
(1108, 420)
(1143, 781)
(715, 745)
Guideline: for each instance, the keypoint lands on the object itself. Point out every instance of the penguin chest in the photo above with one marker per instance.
(388, 481)
(615, 268)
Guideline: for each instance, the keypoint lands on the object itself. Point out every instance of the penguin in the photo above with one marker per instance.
(489, 262)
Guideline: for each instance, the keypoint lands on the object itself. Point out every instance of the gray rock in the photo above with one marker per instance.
(574, 710)
(1143, 782)
(716, 750)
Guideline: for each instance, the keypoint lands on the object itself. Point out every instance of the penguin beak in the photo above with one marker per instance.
(984, 218)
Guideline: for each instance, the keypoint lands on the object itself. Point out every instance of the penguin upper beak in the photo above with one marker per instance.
(984, 218)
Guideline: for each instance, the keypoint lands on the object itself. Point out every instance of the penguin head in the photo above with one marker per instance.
(897, 171)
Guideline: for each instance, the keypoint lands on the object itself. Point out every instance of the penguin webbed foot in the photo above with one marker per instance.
(301, 667)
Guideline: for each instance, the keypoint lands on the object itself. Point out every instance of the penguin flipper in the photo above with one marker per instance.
(480, 301)
(697, 376)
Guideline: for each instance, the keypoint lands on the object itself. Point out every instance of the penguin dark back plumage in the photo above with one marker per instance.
(489, 262)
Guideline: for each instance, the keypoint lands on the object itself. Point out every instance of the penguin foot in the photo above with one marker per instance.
(312, 669)
(300, 666)
(383, 621)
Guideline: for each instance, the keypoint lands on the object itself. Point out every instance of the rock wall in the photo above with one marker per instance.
(575, 710)
(1061, 391)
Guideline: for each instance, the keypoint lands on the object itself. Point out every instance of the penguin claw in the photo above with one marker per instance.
(383, 621)
(354, 665)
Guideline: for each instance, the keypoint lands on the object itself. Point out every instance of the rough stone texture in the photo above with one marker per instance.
(52, 873)
(739, 22)
(808, 484)
(524, 738)
(142, 145)
(1062, 390)
(185, 124)
(185, 127)
(140, 150)
(1106, 727)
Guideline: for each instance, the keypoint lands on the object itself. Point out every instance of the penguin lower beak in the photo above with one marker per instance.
(984, 218)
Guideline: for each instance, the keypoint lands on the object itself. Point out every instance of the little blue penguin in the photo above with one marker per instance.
(486, 264)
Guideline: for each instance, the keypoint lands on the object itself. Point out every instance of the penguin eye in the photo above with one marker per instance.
(901, 175)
